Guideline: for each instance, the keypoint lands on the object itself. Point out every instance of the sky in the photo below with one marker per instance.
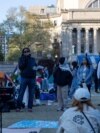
(5, 5)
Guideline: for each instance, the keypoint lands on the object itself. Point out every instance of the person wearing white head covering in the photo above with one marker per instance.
(73, 120)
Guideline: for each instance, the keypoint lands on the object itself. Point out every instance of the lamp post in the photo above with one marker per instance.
(56, 48)
(3, 42)
(5, 48)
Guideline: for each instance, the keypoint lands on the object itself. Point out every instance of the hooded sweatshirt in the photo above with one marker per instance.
(73, 121)
(63, 75)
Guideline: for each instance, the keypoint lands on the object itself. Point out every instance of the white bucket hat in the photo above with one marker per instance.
(82, 94)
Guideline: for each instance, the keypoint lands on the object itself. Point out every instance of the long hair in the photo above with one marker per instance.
(26, 48)
(80, 104)
(88, 64)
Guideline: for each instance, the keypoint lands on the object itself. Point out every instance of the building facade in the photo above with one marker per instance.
(46, 14)
(77, 25)
(81, 28)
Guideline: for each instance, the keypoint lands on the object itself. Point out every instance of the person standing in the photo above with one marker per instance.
(82, 117)
(85, 73)
(63, 78)
(98, 76)
(27, 66)
(74, 84)
(95, 78)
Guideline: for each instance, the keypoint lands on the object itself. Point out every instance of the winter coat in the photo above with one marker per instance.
(88, 75)
(27, 67)
(62, 76)
(75, 79)
(98, 71)
(73, 121)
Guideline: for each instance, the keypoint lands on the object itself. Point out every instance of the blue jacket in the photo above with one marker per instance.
(75, 79)
(88, 74)
(26, 66)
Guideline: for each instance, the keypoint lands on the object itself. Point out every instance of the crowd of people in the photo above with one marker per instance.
(66, 79)
(82, 117)
(72, 81)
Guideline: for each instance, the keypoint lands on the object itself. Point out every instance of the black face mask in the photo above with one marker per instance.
(29, 55)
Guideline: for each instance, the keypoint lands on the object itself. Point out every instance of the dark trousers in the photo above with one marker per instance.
(26, 83)
(89, 87)
(96, 84)
(37, 93)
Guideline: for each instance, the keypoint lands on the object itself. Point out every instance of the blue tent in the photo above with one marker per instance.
(92, 58)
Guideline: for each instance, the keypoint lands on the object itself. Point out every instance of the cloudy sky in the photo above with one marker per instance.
(5, 5)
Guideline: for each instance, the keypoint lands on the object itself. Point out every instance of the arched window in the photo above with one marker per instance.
(93, 4)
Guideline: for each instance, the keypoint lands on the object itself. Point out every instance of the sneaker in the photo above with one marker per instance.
(60, 109)
(38, 102)
(18, 110)
(29, 110)
(98, 91)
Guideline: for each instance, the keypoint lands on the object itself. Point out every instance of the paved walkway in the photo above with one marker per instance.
(43, 112)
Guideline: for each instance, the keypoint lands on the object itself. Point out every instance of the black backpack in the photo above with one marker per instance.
(63, 77)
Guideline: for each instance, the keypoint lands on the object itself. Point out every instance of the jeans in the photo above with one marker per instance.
(30, 83)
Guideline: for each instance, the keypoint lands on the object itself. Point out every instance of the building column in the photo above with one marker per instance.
(87, 40)
(95, 40)
(64, 42)
(69, 46)
(78, 41)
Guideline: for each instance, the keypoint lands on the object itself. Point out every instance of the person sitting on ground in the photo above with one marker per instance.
(82, 117)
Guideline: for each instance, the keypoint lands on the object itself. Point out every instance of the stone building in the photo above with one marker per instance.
(80, 27)
(77, 25)
(49, 13)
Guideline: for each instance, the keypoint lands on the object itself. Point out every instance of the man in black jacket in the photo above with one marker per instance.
(63, 79)
(27, 66)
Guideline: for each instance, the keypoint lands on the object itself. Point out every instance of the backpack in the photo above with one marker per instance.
(63, 77)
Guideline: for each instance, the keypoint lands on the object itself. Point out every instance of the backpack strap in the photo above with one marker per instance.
(89, 122)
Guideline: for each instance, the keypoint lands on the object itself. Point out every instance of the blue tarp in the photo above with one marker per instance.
(91, 58)
(35, 124)
(47, 96)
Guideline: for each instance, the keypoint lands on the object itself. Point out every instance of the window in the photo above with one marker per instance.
(94, 4)
(39, 53)
(55, 23)
(74, 40)
(91, 40)
(83, 41)
(42, 11)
